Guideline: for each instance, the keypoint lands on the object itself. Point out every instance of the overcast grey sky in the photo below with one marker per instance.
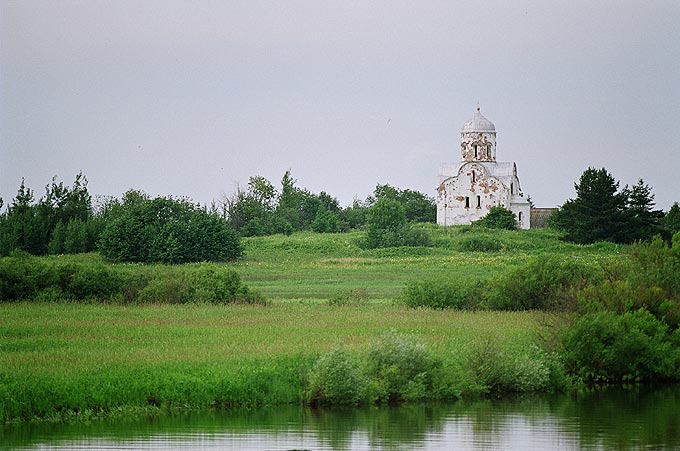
(190, 98)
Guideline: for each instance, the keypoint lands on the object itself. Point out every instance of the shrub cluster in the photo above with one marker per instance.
(166, 230)
(545, 282)
(388, 227)
(606, 347)
(499, 371)
(628, 330)
(398, 368)
(627, 324)
(25, 278)
(478, 243)
(498, 218)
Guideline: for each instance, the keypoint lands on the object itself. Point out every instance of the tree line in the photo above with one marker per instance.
(603, 212)
(138, 228)
(261, 209)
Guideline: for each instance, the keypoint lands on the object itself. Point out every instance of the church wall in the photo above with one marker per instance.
(465, 198)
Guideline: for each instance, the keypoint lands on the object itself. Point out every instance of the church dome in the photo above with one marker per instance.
(479, 123)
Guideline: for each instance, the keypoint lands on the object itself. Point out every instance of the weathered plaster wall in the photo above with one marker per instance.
(469, 195)
(478, 146)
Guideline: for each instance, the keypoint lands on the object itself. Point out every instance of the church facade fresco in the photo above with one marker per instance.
(468, 190)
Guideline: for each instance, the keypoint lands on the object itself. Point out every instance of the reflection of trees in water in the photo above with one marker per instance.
(610, 419)
(613, 419)
(387, 427)
(640, 417)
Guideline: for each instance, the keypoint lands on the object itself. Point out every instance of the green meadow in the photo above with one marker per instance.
(79, 360)
(309, 266)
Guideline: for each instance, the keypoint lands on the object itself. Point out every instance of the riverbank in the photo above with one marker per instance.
(62, 361)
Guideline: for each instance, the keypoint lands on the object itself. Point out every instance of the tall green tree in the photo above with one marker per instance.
(598, 213)
(671, 220)
(602, 212)
(296, 206)
(643, 221)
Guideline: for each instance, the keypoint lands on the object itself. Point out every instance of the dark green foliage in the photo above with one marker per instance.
(326, 222)
(252, 211)
(628, 328)
(600, 212)
(671, 221)
(417, 206)
(261, 210)
(20, 276)
(387, 227)
(42, 227)
(634, 346)
(56, 244)
(23, 277)
(498, 218)
(642, 221)
(648, 279)
(543, 283)
(96, 282)
(443, 293)
(167, 230)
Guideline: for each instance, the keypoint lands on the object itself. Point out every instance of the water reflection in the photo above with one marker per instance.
(621, 420)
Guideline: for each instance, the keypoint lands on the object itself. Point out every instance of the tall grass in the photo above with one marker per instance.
(61, 360)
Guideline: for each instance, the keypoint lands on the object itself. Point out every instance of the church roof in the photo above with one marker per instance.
(479, 123)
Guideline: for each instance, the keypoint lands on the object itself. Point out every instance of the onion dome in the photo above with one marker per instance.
(479, 123)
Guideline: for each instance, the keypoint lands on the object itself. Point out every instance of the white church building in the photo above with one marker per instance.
(469, 189)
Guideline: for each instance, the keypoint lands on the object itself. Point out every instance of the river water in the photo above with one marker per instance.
(632, 419)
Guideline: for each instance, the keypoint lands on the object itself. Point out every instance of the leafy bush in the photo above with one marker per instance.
(442, 293)
(23, 277)
(634, 346)
(387, 227)
(167, 288)
(400, 368)
(326, 222)
(498, 218)
(336, 379)
(92, 282)
(499, 371)
(546, 282)
(648, 279)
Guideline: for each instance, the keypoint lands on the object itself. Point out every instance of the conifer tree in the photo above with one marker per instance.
(598, 211)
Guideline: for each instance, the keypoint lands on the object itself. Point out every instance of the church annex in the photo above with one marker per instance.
(468, 190)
